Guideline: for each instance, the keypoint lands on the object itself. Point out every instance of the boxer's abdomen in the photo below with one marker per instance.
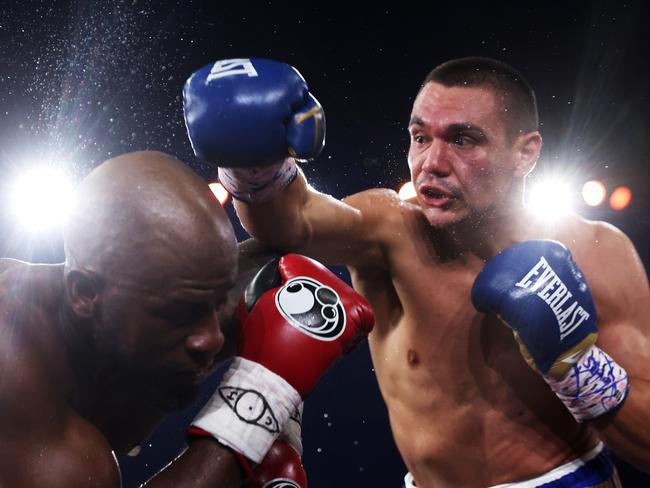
(465, 408)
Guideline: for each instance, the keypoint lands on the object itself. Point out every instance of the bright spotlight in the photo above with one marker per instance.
(220, 192)
(40, 198)
(407, 191)
(550, 198)
(593, 193)
(620, 198)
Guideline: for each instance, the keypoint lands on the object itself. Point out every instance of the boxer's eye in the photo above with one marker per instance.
(464, 141)
(418, 138)
(181, 313)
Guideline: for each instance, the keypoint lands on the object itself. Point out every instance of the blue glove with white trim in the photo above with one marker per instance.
(537, 289)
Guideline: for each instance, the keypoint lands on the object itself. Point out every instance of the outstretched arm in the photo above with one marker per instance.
(301, 219)
(253, 118)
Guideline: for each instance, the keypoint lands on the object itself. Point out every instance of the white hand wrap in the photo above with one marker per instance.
(292, 431)
(249, 408)
(258, 184)
(594, 386)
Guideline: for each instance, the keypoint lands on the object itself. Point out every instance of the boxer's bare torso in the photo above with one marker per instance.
(465, 409)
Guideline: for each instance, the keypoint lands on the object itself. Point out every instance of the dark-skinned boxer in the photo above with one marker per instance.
(94, 352)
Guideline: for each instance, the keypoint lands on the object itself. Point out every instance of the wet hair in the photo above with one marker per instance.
(518, 97)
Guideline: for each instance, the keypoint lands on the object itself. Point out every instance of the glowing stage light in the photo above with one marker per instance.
(550, 198)
(407, 191)
(41, 198)
(593, 193)
(620, 198)
(220, 192)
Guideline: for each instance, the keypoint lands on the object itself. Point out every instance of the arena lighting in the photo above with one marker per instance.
(220, 192)
(407, 191)
(40, 198)
(620, 198)
(593, 193)
(550, 198)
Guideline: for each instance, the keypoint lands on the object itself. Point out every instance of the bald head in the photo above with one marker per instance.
(146, 213)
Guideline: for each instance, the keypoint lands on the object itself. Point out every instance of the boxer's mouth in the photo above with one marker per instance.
(435, 196)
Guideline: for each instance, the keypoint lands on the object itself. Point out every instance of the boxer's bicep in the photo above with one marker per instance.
(619, 286)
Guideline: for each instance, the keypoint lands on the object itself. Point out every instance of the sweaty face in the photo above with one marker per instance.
(460, 159)
(160, 329)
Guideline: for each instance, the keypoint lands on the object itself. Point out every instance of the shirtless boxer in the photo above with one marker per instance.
(94, 352)
(464, 408)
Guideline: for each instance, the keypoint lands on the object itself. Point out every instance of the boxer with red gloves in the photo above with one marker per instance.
(297, 318)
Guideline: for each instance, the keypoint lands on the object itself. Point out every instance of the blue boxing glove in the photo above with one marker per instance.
(251, 112)
(537, 289)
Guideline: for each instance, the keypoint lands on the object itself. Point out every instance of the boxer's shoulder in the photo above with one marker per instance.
(382, 209)
(29, 339)
(592, 241)
(30, 284)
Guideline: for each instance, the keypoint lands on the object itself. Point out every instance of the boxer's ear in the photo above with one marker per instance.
(527, 149)
(83, 290)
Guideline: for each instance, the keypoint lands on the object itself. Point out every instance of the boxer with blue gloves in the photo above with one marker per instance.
(464, 408)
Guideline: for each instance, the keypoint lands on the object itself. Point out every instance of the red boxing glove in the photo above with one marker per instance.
(298, 317)
(281, 468)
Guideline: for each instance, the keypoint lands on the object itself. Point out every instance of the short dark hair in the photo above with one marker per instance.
(517, 94)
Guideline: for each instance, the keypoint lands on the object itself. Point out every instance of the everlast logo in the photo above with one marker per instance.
(549, 287)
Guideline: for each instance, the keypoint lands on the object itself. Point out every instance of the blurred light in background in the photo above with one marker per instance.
(593, 193)
(40, 198)
(620, 198)
(219, 192)
(407, 191)
(550, 197)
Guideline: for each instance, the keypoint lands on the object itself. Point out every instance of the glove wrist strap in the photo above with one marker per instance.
(596, 385)
(258, 184)
(249, 408)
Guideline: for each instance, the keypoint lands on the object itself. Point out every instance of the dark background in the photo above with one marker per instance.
(83, 81)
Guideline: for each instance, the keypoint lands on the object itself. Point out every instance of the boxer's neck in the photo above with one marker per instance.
(489, 233)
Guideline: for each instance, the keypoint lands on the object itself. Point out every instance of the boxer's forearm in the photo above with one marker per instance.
(279, 222)
(302, 220)
(627, 431)
(205, 464)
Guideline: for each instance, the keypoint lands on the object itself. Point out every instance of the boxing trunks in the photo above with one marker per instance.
(593, 470)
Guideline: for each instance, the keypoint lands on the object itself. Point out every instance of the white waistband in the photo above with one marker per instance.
(556, 473)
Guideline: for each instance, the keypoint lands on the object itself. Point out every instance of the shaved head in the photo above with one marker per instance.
(145, 212)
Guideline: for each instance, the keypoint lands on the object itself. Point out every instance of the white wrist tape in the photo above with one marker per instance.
(249, 408)
(594, 386)
(292, 430)
(260, 183)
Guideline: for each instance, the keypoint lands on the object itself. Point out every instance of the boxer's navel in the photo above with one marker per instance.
(412, 358)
